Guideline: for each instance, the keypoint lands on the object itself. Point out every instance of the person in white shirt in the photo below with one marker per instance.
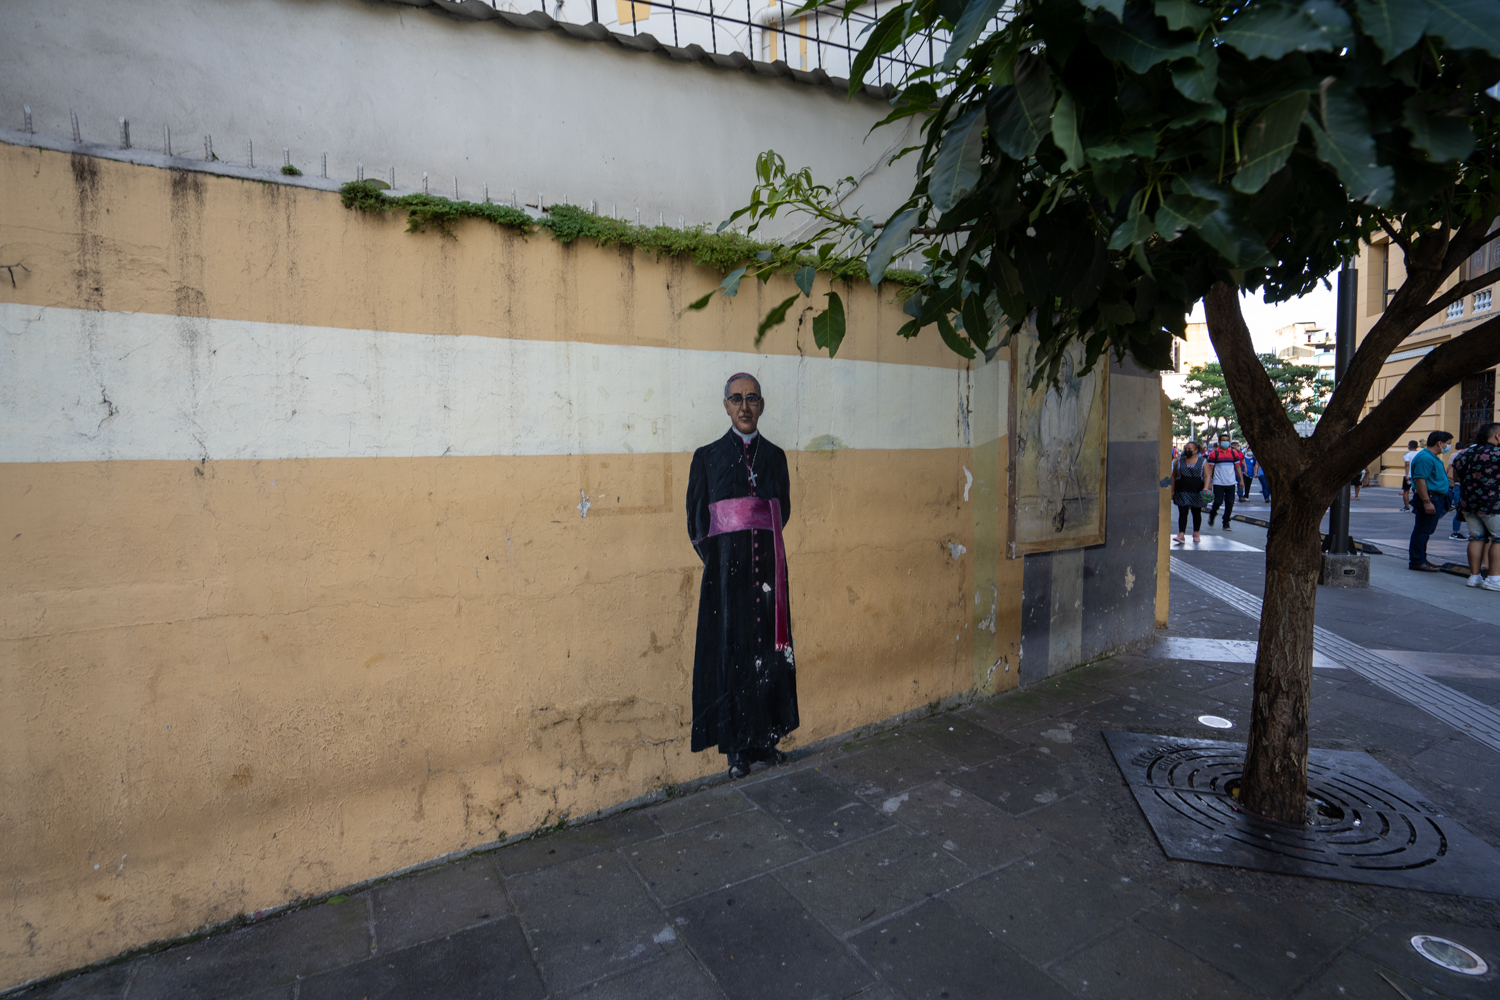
(1411, 452)
(1227, 465)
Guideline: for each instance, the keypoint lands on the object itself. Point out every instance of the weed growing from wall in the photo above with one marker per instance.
(730, 253)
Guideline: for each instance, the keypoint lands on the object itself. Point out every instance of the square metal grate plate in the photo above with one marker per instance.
(1370, 827)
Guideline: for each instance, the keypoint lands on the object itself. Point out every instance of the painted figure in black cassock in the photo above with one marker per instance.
(744, 676)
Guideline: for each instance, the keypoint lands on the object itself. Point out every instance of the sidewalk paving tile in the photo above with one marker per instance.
(934, 953)
(1390, 945)
(481, 963)
(1023, 781)
(761, 944)
(1051, 902)
(1355, 977)
(1134, 965)
(967, 827)
(699, 807)
(577, 842)
(586, 919)
(1273, 945)
(714, 855)
(105, 984)
(862, 882)
(962, 738)
(674, 976)
(816, 809)
(297, 944)
(888, 768)
(438, 902)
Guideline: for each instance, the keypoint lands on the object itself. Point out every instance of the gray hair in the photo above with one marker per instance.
(736, 377)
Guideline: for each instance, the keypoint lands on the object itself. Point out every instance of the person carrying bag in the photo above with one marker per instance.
(1188, 490)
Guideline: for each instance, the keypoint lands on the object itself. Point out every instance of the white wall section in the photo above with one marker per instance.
(78, 385)
(419, 90)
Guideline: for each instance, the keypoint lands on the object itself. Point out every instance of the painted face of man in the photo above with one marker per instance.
(744, 404)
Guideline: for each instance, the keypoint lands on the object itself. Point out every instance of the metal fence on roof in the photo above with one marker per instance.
(826, 39)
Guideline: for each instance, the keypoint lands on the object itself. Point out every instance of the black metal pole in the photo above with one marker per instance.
(1343, 352)
(594, 5)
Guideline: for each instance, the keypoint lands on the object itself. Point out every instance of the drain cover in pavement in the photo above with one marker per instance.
(1370, 826)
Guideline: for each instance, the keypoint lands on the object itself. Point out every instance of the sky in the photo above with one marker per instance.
(1264, 320)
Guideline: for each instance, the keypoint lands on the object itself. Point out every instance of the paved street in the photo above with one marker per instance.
(993, 851)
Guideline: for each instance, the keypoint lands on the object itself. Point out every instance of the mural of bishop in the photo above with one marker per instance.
(744, 675)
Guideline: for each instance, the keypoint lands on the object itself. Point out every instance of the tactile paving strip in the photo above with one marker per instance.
(1369, 825)
(1437, 699)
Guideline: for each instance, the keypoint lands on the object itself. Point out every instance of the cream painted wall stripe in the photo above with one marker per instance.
(77, 385)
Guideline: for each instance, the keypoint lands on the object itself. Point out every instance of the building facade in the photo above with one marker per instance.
(1465, 406)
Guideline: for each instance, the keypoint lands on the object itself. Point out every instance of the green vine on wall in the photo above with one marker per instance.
(731, 253)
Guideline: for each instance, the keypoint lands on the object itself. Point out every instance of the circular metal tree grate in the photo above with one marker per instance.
(1450, 955)
(1363, 823)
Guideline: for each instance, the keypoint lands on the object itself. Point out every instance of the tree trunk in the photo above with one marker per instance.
(1275, 778)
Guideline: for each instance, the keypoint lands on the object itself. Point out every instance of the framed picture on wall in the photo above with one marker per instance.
(1058, 447)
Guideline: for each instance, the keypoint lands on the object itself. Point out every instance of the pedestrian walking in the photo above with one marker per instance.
(1187, 490)
(1411, 452)
(1358, 481)
(1226, 469)
(1429, 480)
(1250, 465)
(1265, 487)
(1477, 471)
(1456, 530)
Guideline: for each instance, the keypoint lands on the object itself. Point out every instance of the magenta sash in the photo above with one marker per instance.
(753, 513)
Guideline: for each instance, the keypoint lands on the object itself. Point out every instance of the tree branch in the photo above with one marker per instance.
(1457, 292)
(1443, 367)
(1260, 411)
(1395, 236)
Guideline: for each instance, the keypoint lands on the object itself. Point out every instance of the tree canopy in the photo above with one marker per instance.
(1097, 165)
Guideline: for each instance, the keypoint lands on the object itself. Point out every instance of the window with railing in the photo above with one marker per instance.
(1483, 300)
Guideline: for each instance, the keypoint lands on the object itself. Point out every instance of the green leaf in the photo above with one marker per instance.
(956, 171)
(1182, 211)
(976, 321)
(1466, 24)
(731, 282)
(1395, 25)
(908, 330)
(1137, 228)
(1269, 142)
(1267, 30)
(828, 326)
(1142, 144)
(1115, 7)
(958, 345)
(977, 14)
(886, 35)
(1139, 41)
(701, 303)
(1198, 82)
(1238, 244)
(895, 235)
(1183, 14)
(773, 318)
(1345, 143)
(1019, 115)
(1444, 138)
(1336, 24)
(1065, 131)
(804, 279)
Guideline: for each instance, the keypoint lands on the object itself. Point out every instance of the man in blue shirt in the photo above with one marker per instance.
(1430, 482)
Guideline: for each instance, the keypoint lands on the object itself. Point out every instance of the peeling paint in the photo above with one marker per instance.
(968, 482)
(955, 550)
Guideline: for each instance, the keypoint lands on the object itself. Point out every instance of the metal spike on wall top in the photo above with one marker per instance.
(208, 147)
(286, 157)
(166, 139)
(424, 182)
(359, 172)
(124, 134)
(325, 166)
(455, 188)
(26, 110)
(250, 152)
(393, 178)
(76, 136)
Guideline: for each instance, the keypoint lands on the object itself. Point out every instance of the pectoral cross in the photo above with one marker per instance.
(752, 476)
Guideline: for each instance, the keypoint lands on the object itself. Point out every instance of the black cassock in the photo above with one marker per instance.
(744, 690)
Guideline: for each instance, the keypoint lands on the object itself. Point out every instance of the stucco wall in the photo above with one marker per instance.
(297, 587)
(424, 90)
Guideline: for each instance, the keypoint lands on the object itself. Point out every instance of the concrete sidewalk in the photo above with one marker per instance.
(989, 852)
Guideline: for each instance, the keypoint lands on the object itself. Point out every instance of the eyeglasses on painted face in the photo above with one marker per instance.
(754, 399)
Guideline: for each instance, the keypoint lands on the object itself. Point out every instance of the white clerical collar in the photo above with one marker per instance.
(747, 438)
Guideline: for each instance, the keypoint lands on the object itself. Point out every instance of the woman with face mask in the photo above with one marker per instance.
(1187, 489)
